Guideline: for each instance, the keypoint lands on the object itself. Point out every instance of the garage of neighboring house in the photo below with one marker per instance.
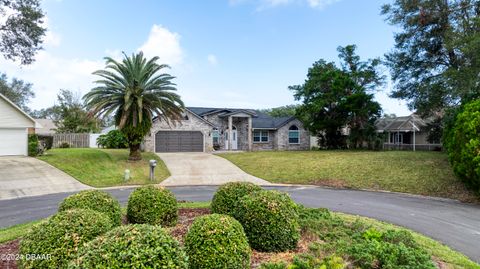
(179, 141)
(14, 126)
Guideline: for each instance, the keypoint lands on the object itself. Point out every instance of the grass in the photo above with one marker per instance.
(16, 231)
(104, 167)
(424, 173)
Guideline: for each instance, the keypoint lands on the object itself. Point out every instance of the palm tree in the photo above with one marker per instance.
(134, 91)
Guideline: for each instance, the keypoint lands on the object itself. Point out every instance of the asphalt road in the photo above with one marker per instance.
(455, 224)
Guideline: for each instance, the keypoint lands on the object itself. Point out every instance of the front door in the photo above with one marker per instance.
(234, 139)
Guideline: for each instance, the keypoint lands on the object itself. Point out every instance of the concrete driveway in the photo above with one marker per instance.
(25, 176)
(203, 169)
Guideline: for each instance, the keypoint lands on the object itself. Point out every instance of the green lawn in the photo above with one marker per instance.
(104, 167)
(425, 173)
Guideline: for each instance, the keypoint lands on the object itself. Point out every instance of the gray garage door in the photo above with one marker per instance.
(179, 141)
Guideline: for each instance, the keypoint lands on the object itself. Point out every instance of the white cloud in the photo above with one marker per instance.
(165, 44)
(264, 4)
(212, 59)
(50, 72)
(321, 3)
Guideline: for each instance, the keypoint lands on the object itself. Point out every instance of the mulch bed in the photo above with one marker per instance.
(185, 219)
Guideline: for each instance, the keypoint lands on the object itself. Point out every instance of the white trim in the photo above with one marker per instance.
(261, 141)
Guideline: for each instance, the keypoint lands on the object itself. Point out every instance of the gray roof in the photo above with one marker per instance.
(401, 124)
(260, 120)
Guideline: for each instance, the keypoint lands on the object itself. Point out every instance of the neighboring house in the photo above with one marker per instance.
(208, 129)
(408, 132)
(48, 127)
(14, 125)
(108, 129)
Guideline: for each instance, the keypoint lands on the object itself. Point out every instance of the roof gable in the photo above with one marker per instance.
(11, 116)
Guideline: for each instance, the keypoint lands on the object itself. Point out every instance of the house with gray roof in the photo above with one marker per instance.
(406, 133)
(204, 129)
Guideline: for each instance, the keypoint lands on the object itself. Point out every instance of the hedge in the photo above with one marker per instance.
(132, 246)
(152, 205)
(217, 241)
(229, 194)
(97, 200)
(57, 240)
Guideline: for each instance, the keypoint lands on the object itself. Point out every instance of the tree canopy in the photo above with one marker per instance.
(22, 32)
(281, 111)
(337, 97)
(17, 91)
(70, 115)
(435, 62)
(134, 91)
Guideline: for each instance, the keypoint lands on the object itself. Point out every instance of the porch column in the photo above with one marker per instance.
(250, 133)
(230, 133)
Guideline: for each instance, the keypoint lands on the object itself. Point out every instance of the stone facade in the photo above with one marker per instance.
(282, 137)
(193, 123)
(277, 138)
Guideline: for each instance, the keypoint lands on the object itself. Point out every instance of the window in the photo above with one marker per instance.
(293, 135)
(260, 136)
(215, 136)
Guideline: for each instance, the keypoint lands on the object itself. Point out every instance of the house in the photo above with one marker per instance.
(48, 127)
(14, 126)
(205, 129)
(406, 133)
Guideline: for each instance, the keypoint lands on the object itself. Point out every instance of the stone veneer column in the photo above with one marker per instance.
(249, 135)
(230, 133)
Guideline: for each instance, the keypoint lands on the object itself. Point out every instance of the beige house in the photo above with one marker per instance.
(14, 126)
(406, 133)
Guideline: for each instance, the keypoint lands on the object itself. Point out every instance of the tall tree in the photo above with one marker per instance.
(22, 30)
(435, 63)
(336, 97)
(135, 91)
(70, 116)
(18, 91)
(281, 111)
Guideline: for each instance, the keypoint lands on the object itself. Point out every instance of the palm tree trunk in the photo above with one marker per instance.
(135, 154)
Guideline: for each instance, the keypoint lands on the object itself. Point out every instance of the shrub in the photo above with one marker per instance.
(64, 145)
(156, 206)
(46, 141)
(390, 249)
(132, 246)
(217, 241)
(462, 142)
(229, 194)
(96, 200)
(270, 220)
(114, 139)
(58, 238)
(32, 145)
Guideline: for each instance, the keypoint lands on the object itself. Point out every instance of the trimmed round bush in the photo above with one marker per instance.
(152, 205)
(229, 194)
(55, 241)
(217, 241)
(462, 141)
(132, 246)
(97, 200)
(270, 220)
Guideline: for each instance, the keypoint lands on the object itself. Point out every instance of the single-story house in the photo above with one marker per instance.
(14, 126)
(48, 127)
(204, 129)
(407, 132)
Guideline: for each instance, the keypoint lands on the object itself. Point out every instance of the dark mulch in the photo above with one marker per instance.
(8, 254)
(185, 219)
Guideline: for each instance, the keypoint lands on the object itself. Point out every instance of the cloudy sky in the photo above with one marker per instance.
(224, 53)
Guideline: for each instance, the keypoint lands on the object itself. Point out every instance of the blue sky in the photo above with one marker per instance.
(237, 53)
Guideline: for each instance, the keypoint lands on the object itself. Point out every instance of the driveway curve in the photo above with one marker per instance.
(450, 222)
(26, 176)
(198, 168)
